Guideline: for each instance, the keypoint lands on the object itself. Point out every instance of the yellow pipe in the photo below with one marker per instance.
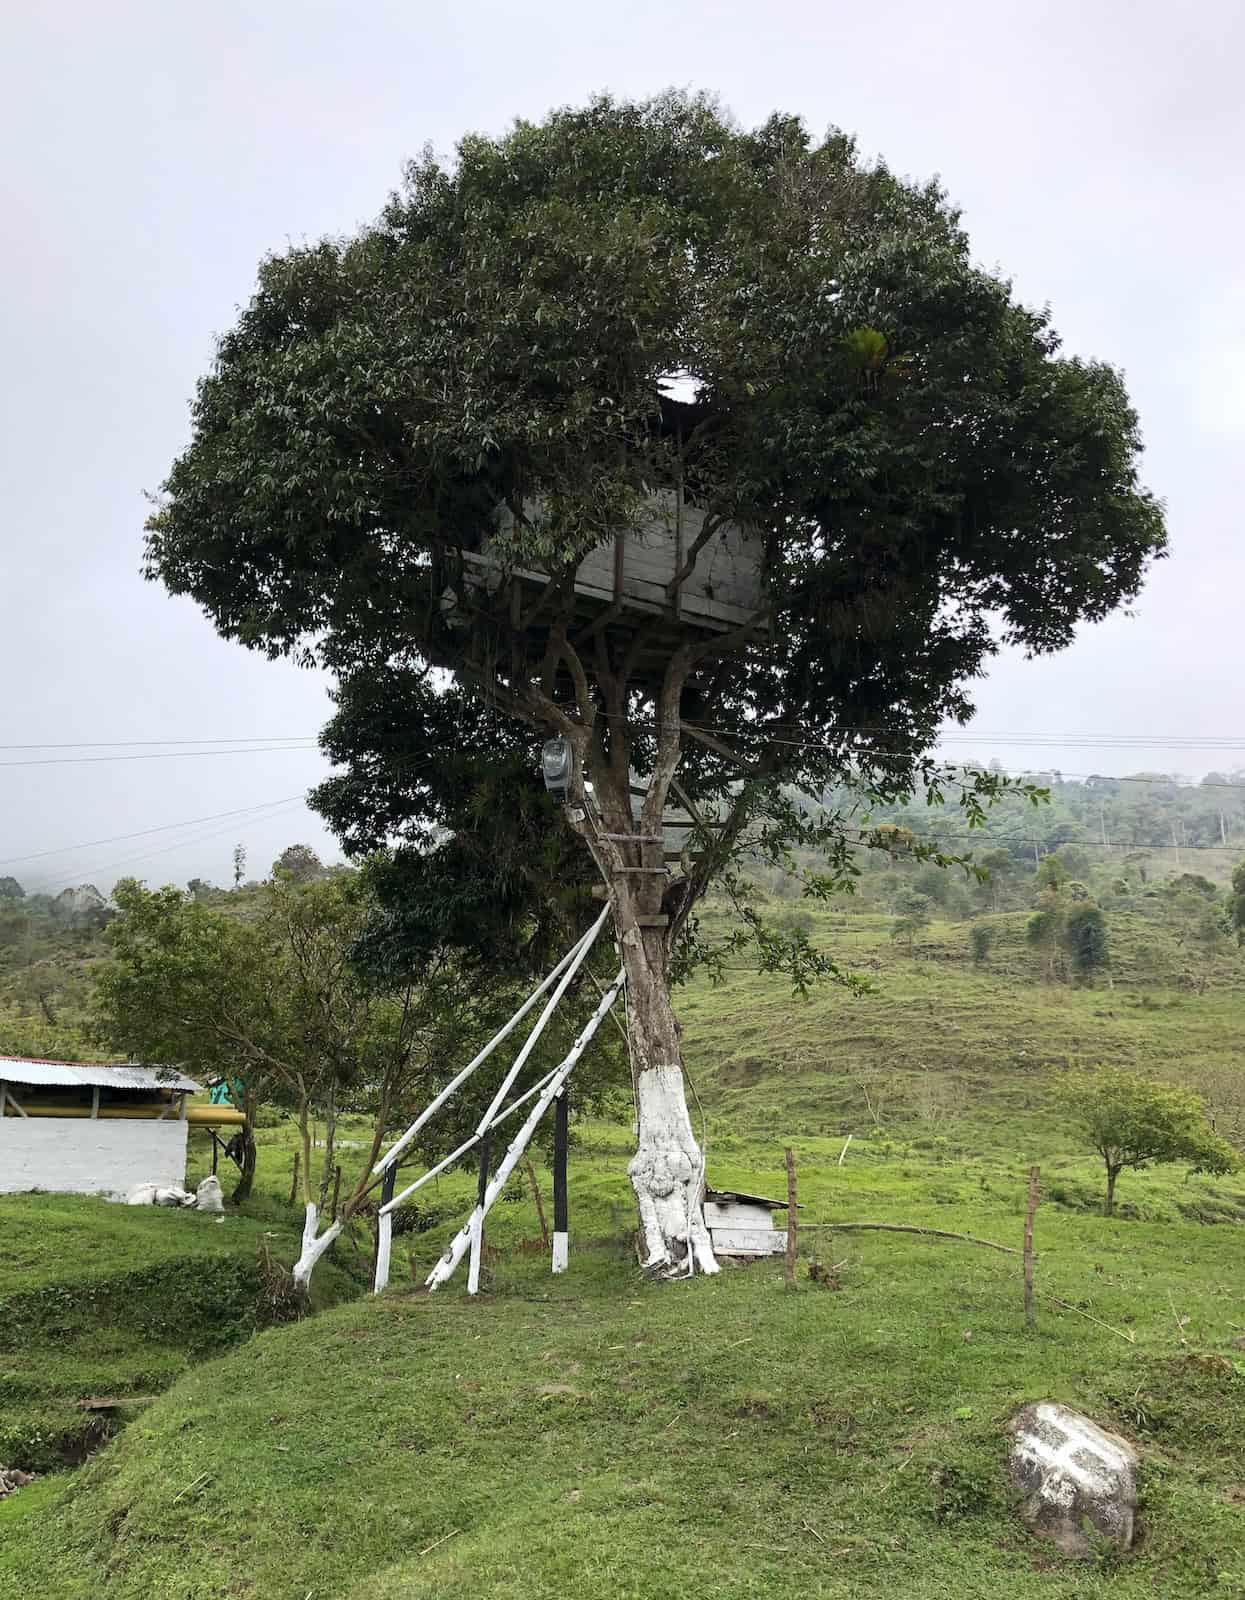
(200, 1116)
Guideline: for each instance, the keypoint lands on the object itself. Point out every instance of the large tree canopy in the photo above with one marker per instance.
(491, 361)
(906, 436)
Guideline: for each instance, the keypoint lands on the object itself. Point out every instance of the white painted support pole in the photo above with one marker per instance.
(384, 1249)
(95, 1102)
(444, 1268)
(477, 1221)
(503, 1088)
(503, 1034)
(581, 956)
(468, 1144)
(561, 1141)
(384, 1231)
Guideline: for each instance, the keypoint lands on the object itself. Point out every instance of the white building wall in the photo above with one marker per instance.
(78, 1155)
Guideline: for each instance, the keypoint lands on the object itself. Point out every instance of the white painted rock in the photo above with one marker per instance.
(208, 1197)
(1073, 1477)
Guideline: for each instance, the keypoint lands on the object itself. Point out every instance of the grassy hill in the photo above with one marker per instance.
(99, 1300)
(635, 1440)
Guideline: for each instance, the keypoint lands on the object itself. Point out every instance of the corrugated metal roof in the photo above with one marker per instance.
(105, 1075)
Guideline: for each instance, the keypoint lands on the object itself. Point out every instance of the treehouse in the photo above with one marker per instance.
(676, 575)
(88, 1128)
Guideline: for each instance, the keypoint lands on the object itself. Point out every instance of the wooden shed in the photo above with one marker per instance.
(96, 1128)
(743, 1224)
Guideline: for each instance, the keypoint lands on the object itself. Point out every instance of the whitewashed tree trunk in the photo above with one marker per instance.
(668, 1169)
(314, 1245)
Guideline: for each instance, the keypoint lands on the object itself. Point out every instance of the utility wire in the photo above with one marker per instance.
(118, 744)
(179, 844)
(761, 734)
(140, 833)
(163, 755)
(960, 736)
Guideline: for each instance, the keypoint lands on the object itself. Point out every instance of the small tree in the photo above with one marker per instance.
(299, 863)
(993, 890)
(239, 865)
(1133, 1121)
(912, 918)
(275, 999)
(1045, 932)
(1236, 904)
(981, 937)
(1085, 939)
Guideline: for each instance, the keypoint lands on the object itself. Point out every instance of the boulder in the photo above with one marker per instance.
(1074, 1478)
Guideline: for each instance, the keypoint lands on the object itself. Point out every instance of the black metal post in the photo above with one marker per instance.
(560, 1135)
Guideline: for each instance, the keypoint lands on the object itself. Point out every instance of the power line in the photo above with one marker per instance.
(277, 807)
(140, 833)
(913, 754)
(163, 755)
(118, 744)
(1216, 741)
(247, 814)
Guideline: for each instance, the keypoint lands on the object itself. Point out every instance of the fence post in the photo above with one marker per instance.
(294, 1179)
(788, 1260)
(1030, 1314)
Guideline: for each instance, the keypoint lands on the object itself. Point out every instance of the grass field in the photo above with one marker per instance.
(99, 1300)
(614, 1437)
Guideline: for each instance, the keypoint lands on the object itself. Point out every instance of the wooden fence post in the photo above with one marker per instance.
(1030, 1315)
(540, 1204)
(788, 1260)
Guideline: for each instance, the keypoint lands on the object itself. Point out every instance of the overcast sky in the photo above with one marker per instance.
(153, 152)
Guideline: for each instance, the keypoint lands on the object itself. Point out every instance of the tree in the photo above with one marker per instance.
(1132, 1121)
(1236, 905)
(239, 865)
(412, 437)
(1001, 872)
(1085, 939)
(1046, 932)
(912, 917)
(10, 889)
(297, 862)
(319, 1008)
(274, 1000)
(981, 937)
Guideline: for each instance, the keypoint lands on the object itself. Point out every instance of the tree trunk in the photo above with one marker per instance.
(330, 1143)
(1108, 1205)
(246, 1171)
(313, 1246)
(667, 1171)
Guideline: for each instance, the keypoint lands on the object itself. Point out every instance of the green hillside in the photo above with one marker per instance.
(629, 1438)
(105, 1301)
